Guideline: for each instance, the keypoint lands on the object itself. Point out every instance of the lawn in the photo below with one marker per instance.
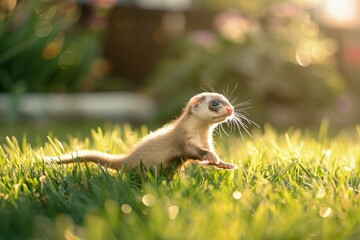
(290, 185)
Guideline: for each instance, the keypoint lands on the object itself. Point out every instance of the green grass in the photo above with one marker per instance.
(293, 185)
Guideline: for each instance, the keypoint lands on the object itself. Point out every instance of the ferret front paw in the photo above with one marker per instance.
(211, 158)
(224, 165)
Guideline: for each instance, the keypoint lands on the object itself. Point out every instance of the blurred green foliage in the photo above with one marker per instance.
(41, 50)
(281, 60)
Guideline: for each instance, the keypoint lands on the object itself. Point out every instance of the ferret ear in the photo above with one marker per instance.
(196, 100)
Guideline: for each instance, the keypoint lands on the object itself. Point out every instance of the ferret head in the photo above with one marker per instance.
(211, 107)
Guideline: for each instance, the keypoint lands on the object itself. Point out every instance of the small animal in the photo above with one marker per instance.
(189, 137)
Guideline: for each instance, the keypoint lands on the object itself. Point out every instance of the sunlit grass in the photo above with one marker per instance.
(293, 185)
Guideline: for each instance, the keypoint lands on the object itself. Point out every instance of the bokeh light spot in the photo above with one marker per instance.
(237, 195)
(67, 58)
(43, 29)
(173, 212)
(149, 200)
(126, 208)
(303, 58)
(325, 212)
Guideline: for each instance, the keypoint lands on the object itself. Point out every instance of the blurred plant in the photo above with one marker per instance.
(44, 47)
(283, 61)
(35, 46)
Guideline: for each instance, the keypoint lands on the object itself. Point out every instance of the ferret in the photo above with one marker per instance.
(189, 137)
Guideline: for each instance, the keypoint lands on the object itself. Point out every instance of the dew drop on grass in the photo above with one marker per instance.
(253, 151)
(351, 165)
(42, 179)
(149, 200)
(327, 153)
(237, 195)
(4, 196)
(17, 186)
(126, 208)
(325, 212)
(173, 211)
(320, 193)
(347, 169)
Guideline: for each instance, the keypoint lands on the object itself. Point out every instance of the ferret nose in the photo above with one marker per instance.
(230, 110)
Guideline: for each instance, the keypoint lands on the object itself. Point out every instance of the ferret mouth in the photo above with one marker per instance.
(222, 117)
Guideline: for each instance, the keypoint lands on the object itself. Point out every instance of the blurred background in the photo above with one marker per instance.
(89, 61)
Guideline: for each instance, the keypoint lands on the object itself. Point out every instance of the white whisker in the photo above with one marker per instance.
(223, 129)
(241, 116)
(238, 125)
(224, 93)
(242, 104)
(232, 92)
(243, 110)
(217, 131)
(233, 101)
(210, 88)
(231, 126)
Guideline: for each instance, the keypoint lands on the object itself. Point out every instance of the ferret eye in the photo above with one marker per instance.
(215, 103)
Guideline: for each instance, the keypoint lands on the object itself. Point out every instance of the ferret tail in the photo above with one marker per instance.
(104, 159)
